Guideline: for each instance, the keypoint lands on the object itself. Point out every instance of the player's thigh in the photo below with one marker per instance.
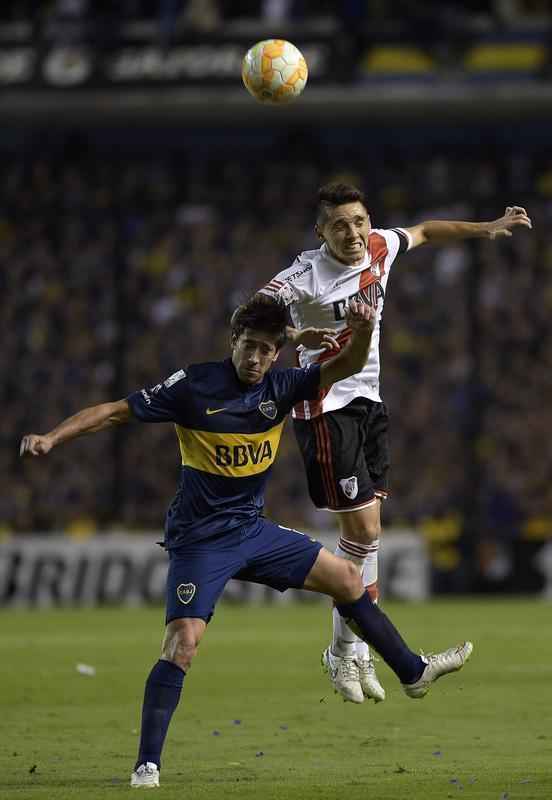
(277, 556)
(196, 578)
(336, 577)
(375, 427)
(332, 447)
(363, 525)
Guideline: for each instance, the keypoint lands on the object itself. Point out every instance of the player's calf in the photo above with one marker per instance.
(162, 695)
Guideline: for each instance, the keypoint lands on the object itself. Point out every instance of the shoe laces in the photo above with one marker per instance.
(440, 658)
(148, 768)
(349, 669)
(366, 664)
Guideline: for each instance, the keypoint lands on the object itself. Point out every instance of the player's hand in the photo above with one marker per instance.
(35, 445)
(513, 217)
(360, 317)
(317, 339)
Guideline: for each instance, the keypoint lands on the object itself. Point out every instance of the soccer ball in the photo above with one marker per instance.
(274, 71)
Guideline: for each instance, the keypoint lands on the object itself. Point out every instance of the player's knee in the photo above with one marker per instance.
(350, 585)
(363, 531)
(181, 651)
(180, 644)
(373, 530)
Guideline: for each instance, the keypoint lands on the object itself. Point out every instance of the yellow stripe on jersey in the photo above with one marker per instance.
(231, 455)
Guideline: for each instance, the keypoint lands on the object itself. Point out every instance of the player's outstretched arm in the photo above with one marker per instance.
(360, 318)
(447, 231)
(89, 420)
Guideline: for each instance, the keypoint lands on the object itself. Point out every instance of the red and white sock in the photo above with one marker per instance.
(370, 580)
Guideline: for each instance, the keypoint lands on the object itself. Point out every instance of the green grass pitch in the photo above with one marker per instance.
(257, 718)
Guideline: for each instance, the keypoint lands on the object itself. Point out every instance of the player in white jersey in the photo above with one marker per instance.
(342, 434)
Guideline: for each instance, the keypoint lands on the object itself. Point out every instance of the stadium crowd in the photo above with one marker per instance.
(115, 273)
(420, 18)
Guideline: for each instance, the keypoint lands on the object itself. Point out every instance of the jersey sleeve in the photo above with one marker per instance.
(404, 240)
(385, 245)
(291, 285)
(164, 402)
(299, 383)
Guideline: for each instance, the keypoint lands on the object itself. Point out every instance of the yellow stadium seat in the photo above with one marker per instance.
(507, 57)
(394, 59)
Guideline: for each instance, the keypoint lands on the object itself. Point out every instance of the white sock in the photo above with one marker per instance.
(370, 580)
(344, 641)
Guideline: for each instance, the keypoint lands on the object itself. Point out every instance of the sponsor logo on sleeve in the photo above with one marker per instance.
(174, 378)
(146, 397)
(287, 294)
(298, 272)
(349, 487)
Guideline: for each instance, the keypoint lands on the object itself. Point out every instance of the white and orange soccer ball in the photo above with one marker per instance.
(274, 71)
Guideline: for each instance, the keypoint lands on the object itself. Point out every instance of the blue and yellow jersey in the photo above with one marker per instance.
(229, 434)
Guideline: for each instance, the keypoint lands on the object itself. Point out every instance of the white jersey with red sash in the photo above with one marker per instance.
(317, 289)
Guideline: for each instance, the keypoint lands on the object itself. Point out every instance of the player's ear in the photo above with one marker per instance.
(275, 356)
(318, 232)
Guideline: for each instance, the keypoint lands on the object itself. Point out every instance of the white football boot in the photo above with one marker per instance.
(147, 776)
(344, 676)
(370, 685)
(438, 665)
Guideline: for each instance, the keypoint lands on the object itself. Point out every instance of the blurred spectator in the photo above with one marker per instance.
(200, 15)
(516, 11)
(19, 10)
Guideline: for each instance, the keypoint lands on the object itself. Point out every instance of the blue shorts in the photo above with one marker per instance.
(262, 553)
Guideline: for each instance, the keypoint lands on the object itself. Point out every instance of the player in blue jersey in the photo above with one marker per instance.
(229, 417)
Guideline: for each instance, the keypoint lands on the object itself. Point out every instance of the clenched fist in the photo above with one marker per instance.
(35, 445)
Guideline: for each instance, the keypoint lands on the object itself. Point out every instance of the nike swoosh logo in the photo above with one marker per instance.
(210, 411)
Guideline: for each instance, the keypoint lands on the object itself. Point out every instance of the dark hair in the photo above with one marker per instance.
(336, 194)
(261, 313)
